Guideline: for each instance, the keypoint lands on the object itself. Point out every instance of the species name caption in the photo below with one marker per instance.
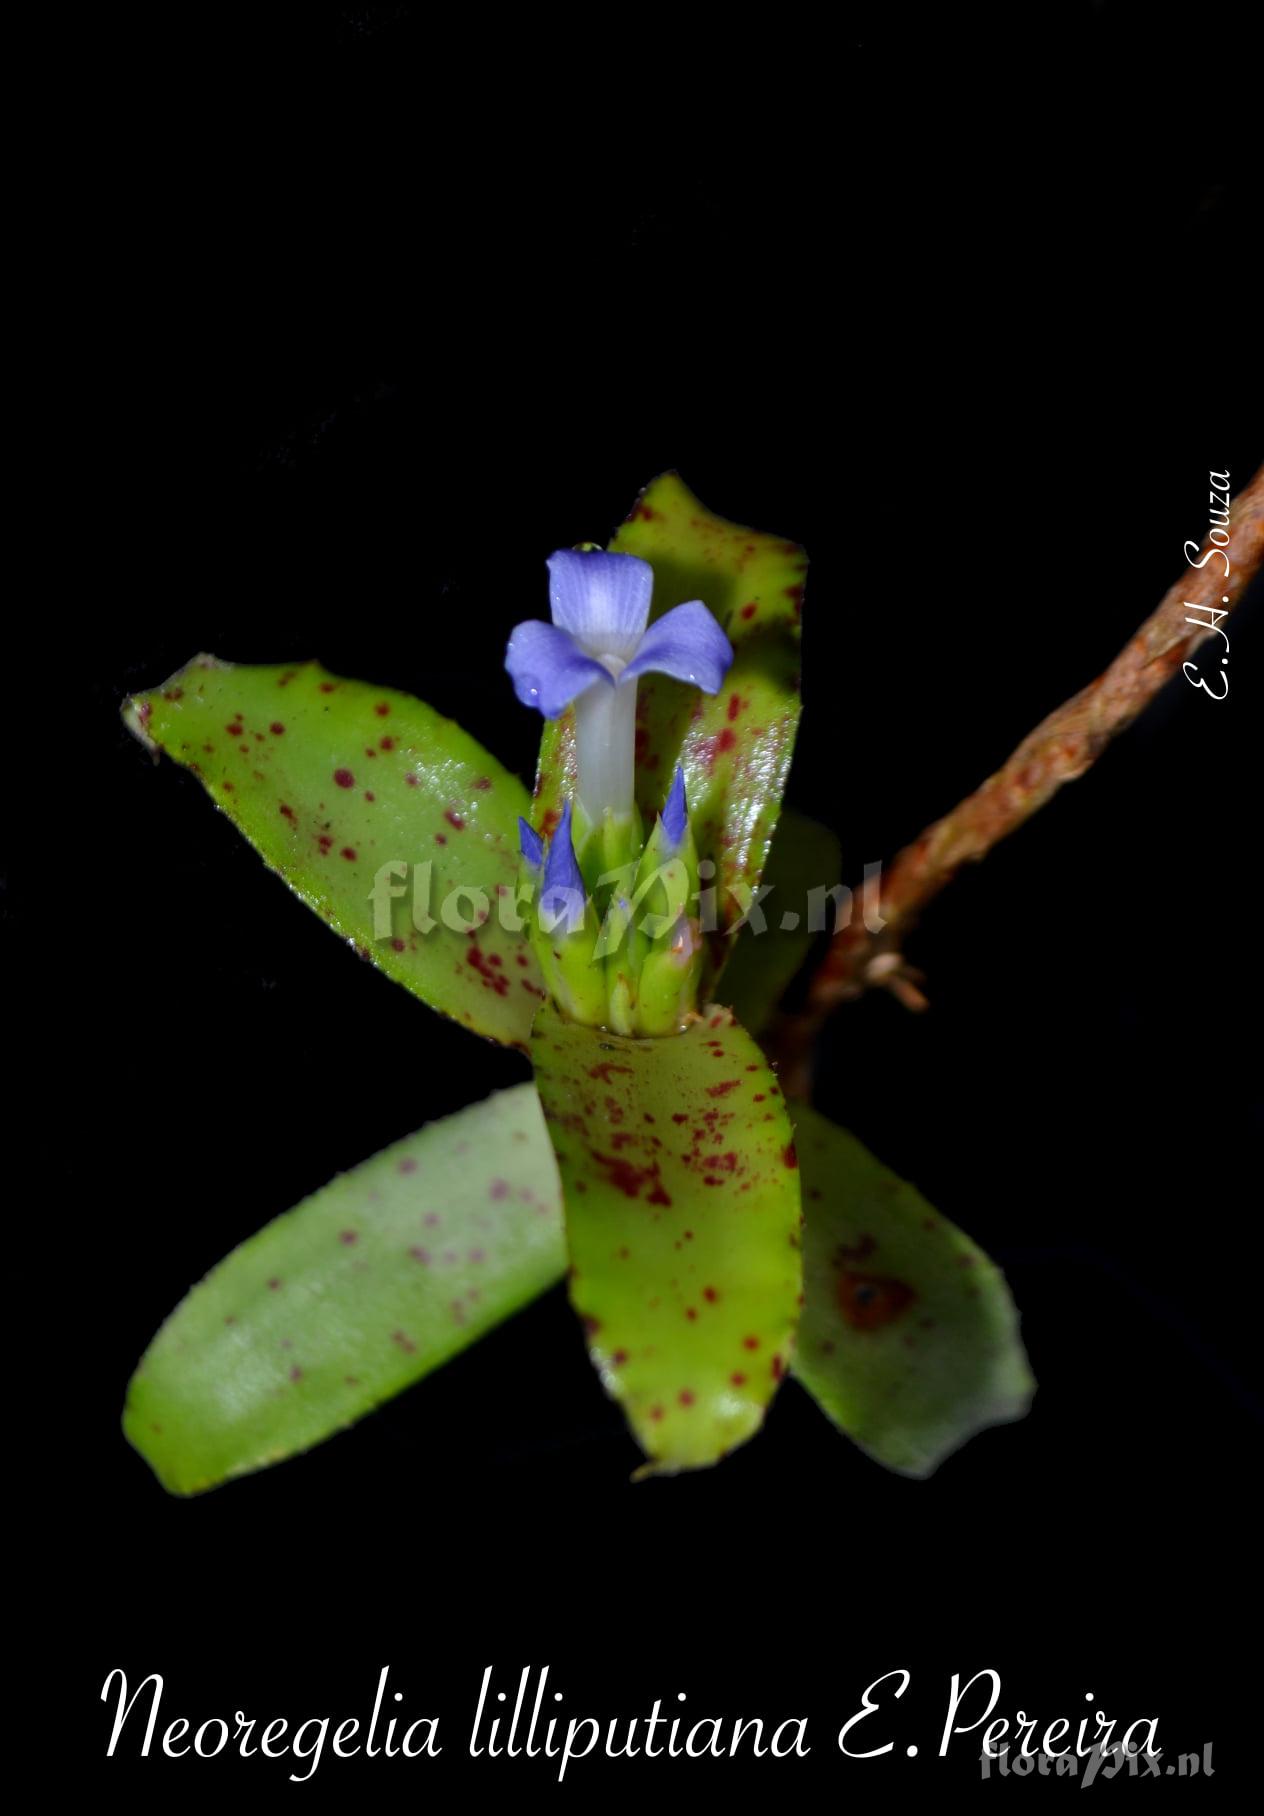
(525, 1722)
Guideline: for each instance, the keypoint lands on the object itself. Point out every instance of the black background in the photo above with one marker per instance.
(373, 322)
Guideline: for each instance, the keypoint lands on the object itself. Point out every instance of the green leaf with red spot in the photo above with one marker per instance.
(735, 746)
(909, 1338)
(682, 1217)
(352, 1296)
(375, 1281)
(330, 780)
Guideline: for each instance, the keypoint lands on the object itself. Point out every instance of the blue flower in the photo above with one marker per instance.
(601, 605)
(593, 653)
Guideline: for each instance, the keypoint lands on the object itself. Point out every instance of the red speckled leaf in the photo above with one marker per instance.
(682, 1216)
(330, 780)
(736, 745)
(909, 1339)
(359, 1291)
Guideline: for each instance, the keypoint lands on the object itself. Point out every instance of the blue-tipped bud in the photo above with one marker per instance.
(530, 844)
(562, 901)
(676, 811)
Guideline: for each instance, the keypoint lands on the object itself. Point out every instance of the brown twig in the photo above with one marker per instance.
(1061, 748)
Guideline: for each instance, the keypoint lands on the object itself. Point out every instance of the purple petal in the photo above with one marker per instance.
(686, 643)
(530, 844)
(602, 600)
(676, 811)
(562, 898)
(547, 668)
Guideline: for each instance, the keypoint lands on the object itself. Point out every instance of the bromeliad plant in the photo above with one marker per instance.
(713, 1240)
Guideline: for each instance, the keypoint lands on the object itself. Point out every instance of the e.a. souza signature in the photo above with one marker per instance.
(1207, 616)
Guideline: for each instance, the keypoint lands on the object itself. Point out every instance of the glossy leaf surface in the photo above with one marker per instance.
(352, 1296)
(330, 780)
(682, 1212)
(909, 1338)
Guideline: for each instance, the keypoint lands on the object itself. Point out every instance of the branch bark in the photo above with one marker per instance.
(1061, 748)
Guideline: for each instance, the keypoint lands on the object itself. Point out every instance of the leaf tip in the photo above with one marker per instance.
(136, 712)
